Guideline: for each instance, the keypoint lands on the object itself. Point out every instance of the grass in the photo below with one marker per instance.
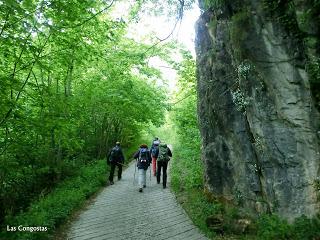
(187, 182)
(53, 209)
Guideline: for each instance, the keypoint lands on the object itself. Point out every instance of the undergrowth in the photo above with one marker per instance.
(53, 209)
(187, 183)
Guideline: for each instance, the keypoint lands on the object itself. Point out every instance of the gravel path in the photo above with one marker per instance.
(121, 212)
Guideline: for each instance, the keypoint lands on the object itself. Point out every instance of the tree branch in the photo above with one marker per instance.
(5, 23)
(35, 77)
(93, 16)
(25, 82)
(178, 20)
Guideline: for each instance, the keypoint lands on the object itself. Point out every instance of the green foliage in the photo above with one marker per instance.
(313, 69)
(214, 4)
(213, 25)
(317, 187)
(283, 12)
(272, 227)
(299, 19)
(72, 83)
(199, 208)
(239, 32)
(170, 8)
(306, 229)
(53, 209)
(187, 168)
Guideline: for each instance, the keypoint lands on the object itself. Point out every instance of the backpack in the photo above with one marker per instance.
(143, 156)
(115, 154)
(156, 142)
(163, 153)
(154, 150)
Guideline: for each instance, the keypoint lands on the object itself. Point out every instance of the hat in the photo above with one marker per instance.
(143, 145)
(117, 143)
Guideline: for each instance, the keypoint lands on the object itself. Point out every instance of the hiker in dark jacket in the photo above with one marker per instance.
(115, 158)
(162, 162)
(154, 154)
(143, 159)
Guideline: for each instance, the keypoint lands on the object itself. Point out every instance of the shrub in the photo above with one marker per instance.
(272, 227)
(53, 209)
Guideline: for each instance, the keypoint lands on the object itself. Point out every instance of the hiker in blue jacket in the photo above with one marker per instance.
(154, 154)
(115, 158)
(143, 159)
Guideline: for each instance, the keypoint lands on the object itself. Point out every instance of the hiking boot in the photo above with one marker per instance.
(164, 186)
(119, 178)
(158, 182)
(111, 182)
(144, 186)
(140, 189)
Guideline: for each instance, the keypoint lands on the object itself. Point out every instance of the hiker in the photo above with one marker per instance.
(115, 158)
(162, 162)
(154, 154)
(143, 159)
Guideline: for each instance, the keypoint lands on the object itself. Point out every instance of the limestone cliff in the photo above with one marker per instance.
(257, 113)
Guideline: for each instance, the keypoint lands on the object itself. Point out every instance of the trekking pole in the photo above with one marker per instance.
(134, 175)
(150, 173)
(123, 165)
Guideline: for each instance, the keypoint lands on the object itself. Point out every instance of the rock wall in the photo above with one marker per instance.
(257, 116)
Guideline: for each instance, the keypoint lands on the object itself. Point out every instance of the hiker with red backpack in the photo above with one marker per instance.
(115, 158)
(143, 159)
(162, 162)
(154, 154)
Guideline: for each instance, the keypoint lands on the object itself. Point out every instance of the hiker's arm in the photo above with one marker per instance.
(169, 152)
(122, 157)
(136, 155)
(108, 157)
(149, 158)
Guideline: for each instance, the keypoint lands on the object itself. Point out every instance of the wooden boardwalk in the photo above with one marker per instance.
(121, 212)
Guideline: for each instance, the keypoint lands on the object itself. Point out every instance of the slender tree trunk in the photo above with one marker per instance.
(7, 115)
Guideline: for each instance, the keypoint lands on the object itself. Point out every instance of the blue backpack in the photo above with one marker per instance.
(143, 156)
(154, 150)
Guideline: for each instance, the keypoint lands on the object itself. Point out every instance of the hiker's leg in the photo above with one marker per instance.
(112, 168)
(164, 174)
(144, 177)
(154, 165)
(140, 177)
(119, 171)
(158, 171)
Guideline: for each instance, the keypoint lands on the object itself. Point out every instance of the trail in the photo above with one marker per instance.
(121, 212)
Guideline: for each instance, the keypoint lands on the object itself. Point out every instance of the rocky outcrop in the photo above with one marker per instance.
(257, 116)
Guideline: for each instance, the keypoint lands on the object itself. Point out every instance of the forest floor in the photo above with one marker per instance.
(121, 212)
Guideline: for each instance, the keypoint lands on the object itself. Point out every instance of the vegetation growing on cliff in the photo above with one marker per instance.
(302, 21)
